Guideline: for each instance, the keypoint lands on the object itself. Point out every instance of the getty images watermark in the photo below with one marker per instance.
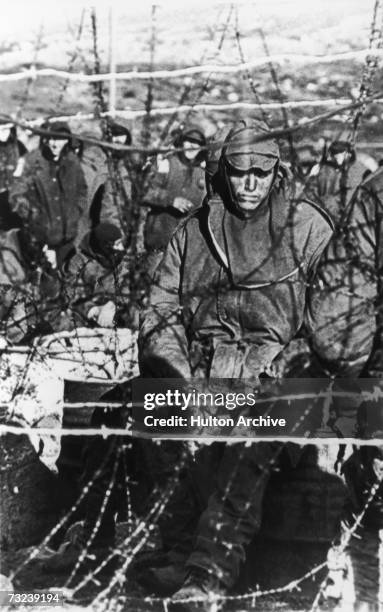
(306, 408)
(191, 402)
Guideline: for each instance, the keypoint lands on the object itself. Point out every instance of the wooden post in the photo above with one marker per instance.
(112, 59)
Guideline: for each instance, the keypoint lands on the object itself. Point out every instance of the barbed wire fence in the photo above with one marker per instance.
(140, 534)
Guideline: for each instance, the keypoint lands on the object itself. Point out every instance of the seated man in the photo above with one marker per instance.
(229, 294)
(97, 278)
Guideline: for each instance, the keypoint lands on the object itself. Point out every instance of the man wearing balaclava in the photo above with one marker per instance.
(50, 193)
(97, 277)
(229, 294)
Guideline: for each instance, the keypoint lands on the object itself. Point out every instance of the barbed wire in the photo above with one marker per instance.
(273, 133)
(348, 533)
(185, 108)
(33, 73)
(145, 526)
(189, 85)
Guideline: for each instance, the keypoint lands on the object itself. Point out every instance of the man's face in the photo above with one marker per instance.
(121, 139)
(190, 150)
(118, 246)
(56, 146)
(5, 133)
(250, 188)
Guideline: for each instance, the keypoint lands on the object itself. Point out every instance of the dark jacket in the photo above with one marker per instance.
(10, 153)
(93, 281)
(95, 169)
(349, 298)
(50, 197)
(200, 322)
(332, 188)
(181, 180)
(117, 198)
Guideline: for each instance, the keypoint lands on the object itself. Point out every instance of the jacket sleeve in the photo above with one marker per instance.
(82, 205)
(23, 190)
(341, 314)
(163, 346)
(156, 191)
(117, 196)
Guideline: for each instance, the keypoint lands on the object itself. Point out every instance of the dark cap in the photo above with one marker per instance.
(120, 129)
(60, 130)
(242, 153)
(191, 133)
(195, 136)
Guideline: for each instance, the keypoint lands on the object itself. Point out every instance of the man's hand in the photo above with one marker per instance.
(50, 256)
(182, 204)
(103, 315)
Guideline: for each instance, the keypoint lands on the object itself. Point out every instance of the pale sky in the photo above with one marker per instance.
(22, 17)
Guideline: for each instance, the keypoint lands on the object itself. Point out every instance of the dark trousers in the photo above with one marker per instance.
(217, 509)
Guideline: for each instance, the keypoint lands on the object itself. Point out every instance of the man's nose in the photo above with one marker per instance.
(251, 182)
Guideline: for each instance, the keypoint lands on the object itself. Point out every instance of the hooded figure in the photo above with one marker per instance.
(12, 152)
(229, 294)
(176, 187)
(50, 194)
(97, 276)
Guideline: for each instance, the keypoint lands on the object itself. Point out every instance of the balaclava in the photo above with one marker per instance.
(102, 239)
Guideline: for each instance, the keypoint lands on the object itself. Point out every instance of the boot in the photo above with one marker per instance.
(66, 557)
(163, 581)
(200, 592)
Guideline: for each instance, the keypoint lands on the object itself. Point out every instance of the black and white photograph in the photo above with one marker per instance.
(191, 305)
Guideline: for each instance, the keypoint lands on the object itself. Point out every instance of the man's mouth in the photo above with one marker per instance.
(248, 198)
